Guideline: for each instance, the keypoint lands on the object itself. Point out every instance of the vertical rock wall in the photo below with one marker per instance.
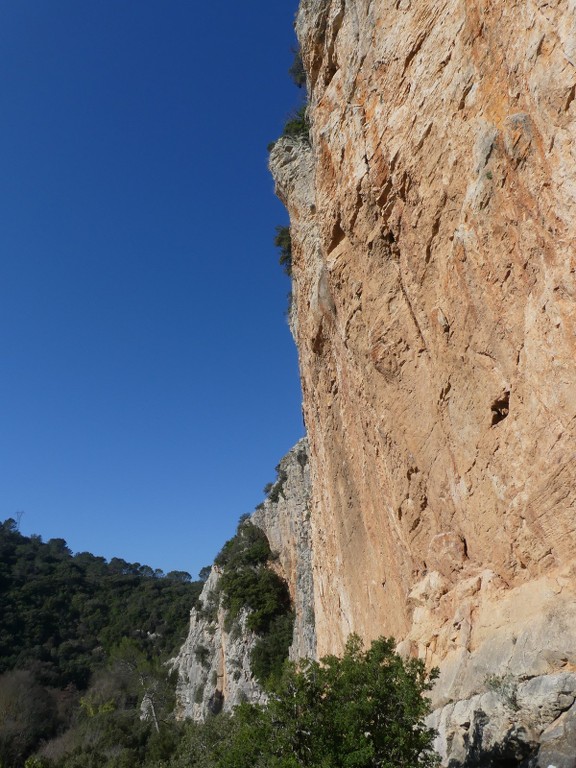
(285, 519)
(433, 224)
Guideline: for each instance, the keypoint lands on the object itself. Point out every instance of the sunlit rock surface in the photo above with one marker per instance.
(433, 225)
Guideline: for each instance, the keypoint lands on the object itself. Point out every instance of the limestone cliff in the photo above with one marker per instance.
(214, 664)
(433, 222)
(285, 519)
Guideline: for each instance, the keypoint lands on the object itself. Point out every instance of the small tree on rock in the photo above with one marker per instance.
(283, 242)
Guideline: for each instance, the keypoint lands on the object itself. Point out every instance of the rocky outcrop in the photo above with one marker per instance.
(433, 222)
(510, 724)
(214, 664)
(285, 519)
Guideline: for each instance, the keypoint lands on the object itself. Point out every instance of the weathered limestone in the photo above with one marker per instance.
(511, 721)
(214, 663)
(285, 519)
(433, 227)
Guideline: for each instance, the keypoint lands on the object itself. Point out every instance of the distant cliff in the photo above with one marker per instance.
(215, 669)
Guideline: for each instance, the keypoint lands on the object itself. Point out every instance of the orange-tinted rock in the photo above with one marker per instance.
(433, 227)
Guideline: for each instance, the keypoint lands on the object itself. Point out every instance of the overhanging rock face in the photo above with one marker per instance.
(433, 220)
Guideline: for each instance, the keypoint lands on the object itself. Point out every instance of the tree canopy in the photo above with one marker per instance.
(62, 613)
(82, 642)
(364, 710)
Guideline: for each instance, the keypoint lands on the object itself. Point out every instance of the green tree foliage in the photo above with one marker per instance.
(124, 719)
(204, 573)
(27, 714)
(81, 647)
(109, 730)
(282, 240)
(62, 613)
(298, 124)
(271, 650)
(364, 710)
(182, 576)
(297, 72)
(248, 548)
(248, 583)
(260, 590)
(203, 744)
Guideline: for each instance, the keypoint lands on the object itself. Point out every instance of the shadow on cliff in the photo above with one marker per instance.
(510, 752)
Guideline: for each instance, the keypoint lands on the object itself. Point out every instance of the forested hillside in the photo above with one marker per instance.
(84, 684)
(79, 637)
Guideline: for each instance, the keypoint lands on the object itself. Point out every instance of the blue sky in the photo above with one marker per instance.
(148, 380)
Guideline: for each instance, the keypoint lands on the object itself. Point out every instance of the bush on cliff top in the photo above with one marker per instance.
(298, 125)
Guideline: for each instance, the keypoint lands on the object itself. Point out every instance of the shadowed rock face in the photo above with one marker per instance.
(433, 224)
(285, 519)
(530, 724)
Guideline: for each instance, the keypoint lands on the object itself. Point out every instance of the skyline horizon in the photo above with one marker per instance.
(149, 382)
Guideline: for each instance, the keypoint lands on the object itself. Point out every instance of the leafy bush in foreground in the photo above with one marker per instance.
(364, 710)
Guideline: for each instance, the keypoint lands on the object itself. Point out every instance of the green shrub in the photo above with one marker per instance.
(298, 125)
(249, 547)
(271, 650)
(505, 686)
(273, 490)
(296, 71)
(260, 590)
(364, 710)
(201, 654)
(247, 583)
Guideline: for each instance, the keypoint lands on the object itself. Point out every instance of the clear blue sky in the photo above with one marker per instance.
(148, 381)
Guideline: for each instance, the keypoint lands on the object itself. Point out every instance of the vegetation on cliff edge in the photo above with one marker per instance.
(249, 584)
